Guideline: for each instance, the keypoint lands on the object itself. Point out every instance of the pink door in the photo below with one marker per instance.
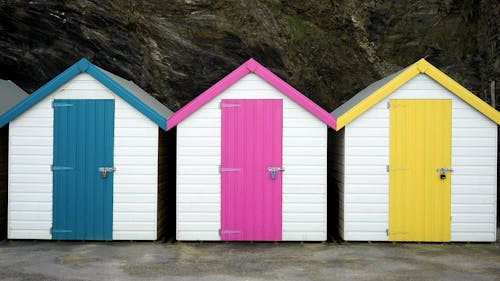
(250, 193)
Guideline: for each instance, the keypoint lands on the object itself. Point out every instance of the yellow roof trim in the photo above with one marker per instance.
(463, 93)
(422, 66)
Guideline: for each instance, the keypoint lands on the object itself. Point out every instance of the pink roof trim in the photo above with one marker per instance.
(251, 66)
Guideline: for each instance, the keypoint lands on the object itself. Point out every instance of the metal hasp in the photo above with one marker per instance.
(442, 172)
(274, 170)
(105, 170)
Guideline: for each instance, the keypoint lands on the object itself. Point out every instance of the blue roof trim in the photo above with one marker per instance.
(82, 65)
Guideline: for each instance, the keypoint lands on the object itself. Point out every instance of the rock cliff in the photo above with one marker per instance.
(176, 49)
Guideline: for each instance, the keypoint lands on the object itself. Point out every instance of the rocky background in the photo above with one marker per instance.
(176, 49)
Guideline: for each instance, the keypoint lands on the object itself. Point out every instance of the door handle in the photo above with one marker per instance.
(105, 170)
(274, 170)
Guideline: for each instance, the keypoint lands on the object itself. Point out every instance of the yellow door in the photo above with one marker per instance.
(419, 196)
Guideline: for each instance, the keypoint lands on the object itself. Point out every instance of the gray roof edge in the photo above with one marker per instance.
(363, 94)
(10, 95)
(141, 94)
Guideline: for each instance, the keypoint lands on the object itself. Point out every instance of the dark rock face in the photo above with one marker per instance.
(176, 49)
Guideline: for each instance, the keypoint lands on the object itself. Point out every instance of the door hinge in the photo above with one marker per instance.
(387, 231)
(228, 232)
(60, 168)
(387, 168)
(60, 104)
(388, 105)
(225, 104)
(221, 170)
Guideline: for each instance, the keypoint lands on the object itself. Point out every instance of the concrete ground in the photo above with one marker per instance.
(45, 260)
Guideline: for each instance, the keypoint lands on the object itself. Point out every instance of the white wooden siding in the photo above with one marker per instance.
(304, 159)
(473, 182)
(30, 157)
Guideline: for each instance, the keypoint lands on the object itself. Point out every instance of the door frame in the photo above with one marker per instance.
(422, 228)
(106, 149)
(277, 109)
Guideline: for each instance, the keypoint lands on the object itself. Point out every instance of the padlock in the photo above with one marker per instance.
(442, 176)
(273, 175)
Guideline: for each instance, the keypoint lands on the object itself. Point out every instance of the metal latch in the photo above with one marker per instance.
(105, 170)
(274, 170)
(442, 172)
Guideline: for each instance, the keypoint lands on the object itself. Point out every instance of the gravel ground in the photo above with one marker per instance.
(49, 260)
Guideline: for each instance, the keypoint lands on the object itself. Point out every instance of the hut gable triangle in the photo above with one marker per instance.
(251, 66)
(379, 90)
(125, 89)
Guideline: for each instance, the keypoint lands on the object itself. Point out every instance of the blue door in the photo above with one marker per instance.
(82, 195)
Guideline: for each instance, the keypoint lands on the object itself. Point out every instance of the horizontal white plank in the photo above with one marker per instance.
(30, 234)
(198, 208)
(30, 187)
(30, 150)
(137, 141)
(198, 160)
(367, 217)
(135, 198)
(472, 199)
(365, 236)
(473, 236)
(304, 179)
(140, 170)
(197, 235)
(196, 151)
(198, 198)
(134, 235)
(200, 188)
(473, 227)
(134, 216)
(135, 151)
(195, 179)
(304, 226)
(304, 159)
(304, 217)
(303, 208)
(366, 198)
(304, 189)
(131, 226)
(305, 131)
(133, 207)
(365, 226)
(29, 206)
(305, 141)
(30, 215)
(198, 226)
(194, 141)
(467, 189)
(197, 217)
(472, 160)
(32, 159)
(138, 179)
(475, 217)
(464, 208)
(45, 177)
(305, 198)
(304, 236)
